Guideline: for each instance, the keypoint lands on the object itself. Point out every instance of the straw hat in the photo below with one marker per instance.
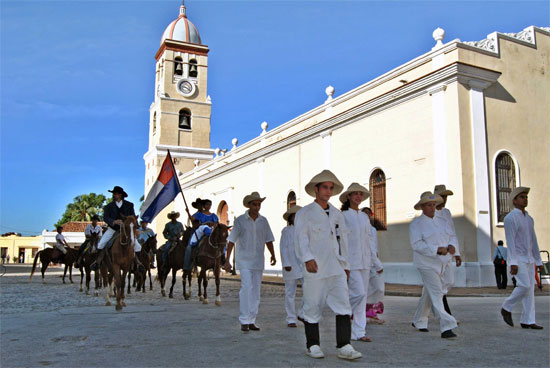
(442, 190)
(517, 191)
(173, 214)
(354, 187)
(254, 196)
(324, 176)
(428, 197)
(291, 211)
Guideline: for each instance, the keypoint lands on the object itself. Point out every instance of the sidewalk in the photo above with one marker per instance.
(415, 290)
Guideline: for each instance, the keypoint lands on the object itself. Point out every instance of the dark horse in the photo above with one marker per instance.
(120, 260)
(209, 258)
(148, 250)
(46, 257)
(87, 258)
(174, 262)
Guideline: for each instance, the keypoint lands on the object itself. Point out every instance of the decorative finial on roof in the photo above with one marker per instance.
(264, 126)
(234, 141)
(330, 92)
(438, 35)
(182, 8)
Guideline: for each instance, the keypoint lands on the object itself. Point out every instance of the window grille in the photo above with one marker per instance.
(505, 175)
(378, 197)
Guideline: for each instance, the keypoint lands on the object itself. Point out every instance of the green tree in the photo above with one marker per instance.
(83, 208)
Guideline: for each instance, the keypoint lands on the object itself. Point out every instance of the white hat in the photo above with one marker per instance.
(291, 211)
(254, 196)
(442, 190)
(428, 197)
(322, 177)
(173, 214)
(517, 191)
(354, 187)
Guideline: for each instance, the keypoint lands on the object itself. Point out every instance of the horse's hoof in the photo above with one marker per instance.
(201, 298)
(171, 296)
(72, 282)
(87, 292)
(96, 293)
(218, 303)
(123, 303)
(118, 307)
(186, 297)
(205, 301)
(108, 304)
(81, 290)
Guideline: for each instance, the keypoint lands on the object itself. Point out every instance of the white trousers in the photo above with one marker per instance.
(332, 291)
(376, 287)
(61, 248)
(432, 299)
(249, 295)
(448, 277)
(358, 290)
(524, 292)
(290, 297)
(108, 234)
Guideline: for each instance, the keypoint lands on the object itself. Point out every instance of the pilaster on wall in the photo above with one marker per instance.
(325, 136)
(441, 161)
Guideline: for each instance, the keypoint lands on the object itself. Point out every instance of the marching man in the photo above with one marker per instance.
(361, 255)
(429, 240)
(250, 232)
(445, 215)
(292, 271)
(523, 255)
(322, 246)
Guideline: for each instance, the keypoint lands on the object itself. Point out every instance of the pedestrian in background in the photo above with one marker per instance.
(499, 260)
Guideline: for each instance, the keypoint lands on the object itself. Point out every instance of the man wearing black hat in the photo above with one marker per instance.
(112, 215)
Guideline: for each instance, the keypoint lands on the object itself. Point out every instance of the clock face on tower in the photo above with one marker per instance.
(186, 88)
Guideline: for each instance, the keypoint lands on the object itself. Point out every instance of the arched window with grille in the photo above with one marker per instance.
(178, 66)
(154, 122)
(185, 119)
(377, 187)
(290, 200)
(193, 68)
(505, 178)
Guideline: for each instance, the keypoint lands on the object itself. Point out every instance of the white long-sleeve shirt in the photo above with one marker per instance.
(316, 238)
(250, 238)
(376, 263)
(426, 235)
(360, 239)
(447, 223)
(521, 238)
(288, 255)
(93, 229)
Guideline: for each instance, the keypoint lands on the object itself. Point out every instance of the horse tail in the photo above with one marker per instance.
(35, 262)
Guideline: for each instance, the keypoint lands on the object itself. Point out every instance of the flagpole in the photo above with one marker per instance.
(179, 186)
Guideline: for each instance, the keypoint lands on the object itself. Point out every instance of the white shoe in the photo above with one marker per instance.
(315, 352)
(349, 353)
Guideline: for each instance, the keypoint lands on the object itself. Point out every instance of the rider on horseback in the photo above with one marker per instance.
(92, 229)
(198, 234)
(173, 230)
(60, 245)
(144, 234)
(112, 214)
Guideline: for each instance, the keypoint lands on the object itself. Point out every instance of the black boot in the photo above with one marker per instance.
(312, 334)
(97, 263)
(446, 305)
(343, 330)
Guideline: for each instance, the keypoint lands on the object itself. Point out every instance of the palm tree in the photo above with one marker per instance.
(83, 207)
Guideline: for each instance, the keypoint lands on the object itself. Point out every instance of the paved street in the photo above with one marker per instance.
(56, 325)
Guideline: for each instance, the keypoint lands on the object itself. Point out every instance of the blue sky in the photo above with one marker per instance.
(77, 78)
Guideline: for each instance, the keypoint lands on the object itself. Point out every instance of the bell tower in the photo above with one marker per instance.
(179, 117)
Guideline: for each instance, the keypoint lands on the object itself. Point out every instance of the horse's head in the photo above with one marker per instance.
(151, 243)
(129, 229)
(220, 232)
(94, 238)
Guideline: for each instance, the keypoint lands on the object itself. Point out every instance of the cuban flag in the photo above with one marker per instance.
(165, 189)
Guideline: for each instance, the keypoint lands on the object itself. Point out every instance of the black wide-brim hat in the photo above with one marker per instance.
(119, 190)
(197, 204)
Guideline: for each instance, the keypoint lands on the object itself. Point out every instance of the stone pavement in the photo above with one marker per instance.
(55, 325)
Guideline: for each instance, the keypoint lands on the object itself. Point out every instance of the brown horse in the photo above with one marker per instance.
(87, 259)
(46, 256)
(120, 260)
(174, 262)
(146, 256)
(209, 258)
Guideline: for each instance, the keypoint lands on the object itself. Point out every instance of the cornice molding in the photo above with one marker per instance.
(161, 150)
(182, 47)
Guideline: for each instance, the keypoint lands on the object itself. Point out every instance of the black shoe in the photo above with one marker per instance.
(448, 334)
(244, 328)
(253, 327)
(507, 316)
(421, 329)
(533, 326)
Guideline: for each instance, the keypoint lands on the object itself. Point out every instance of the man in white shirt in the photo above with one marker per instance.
(322, 246)
(523, 255)
(60, 245)
(429, 241)
(292, 270)
(443, 213)
(250, 233)
(91, 229)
